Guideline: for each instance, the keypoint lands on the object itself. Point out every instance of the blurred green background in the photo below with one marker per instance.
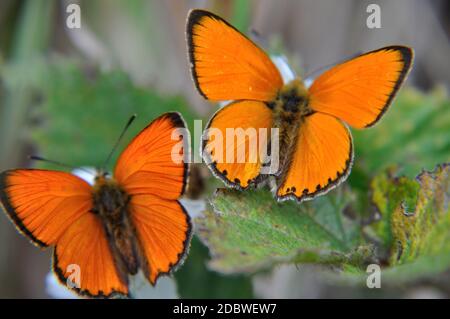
(66, 93)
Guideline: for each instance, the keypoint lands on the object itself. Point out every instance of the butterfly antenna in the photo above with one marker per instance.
(41, 159)
(132, 118)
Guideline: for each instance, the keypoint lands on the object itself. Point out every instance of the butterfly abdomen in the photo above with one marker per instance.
(289, 108)
(111, 206)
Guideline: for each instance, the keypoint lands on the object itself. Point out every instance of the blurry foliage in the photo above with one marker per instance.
(83, 111)
(24, 46)
(414, 134)
(196, 281)
(240, 15)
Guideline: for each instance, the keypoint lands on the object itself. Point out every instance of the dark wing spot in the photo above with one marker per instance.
(318, 187)
(305, 191)
(225, 172)
(237, 180)
(293, 189)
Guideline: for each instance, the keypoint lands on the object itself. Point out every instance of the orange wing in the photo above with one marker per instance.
(360, 90)
(163, 229)
(322, 158)
(147, 167)
(43, 204)
(226, 65)
(53, 208)
(84, 245)
(237, 161)
(148, 173)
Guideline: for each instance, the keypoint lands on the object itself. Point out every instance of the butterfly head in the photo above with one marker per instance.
(102, 178)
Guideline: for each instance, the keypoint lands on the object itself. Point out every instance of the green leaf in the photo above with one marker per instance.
(195, 280)
(248, 231)
(413, 134)
(416, 215)
(241, 15)
(389, 195)
(82, 111)
(424, 231)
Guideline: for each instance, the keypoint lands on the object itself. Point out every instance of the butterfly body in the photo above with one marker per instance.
(110, 205)
(289, 109)
(315, 143)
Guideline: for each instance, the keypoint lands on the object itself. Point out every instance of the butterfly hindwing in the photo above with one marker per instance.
(360, 90)
(163, 229)
(321, 159)
(84, 248)
(154, 180)
(236, 163)
(225, 64)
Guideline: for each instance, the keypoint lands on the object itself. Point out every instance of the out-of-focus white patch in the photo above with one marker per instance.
(194, 207)
(287, 73)
(140, 288)
(308, 82)
(86, 173)
(55, 290)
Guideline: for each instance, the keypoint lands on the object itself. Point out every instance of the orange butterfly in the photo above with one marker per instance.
(316, 150)
(117, 226)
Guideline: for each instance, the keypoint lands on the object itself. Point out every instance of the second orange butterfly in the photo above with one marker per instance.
(315, 144)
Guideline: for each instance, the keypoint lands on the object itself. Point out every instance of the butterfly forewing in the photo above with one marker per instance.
(44, 203)
(155, 160)
(360, 90)
(226, 65)
(55, 208)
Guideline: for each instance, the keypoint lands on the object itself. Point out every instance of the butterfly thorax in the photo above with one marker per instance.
(290, 107)
(291, 102)
(110, 204)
